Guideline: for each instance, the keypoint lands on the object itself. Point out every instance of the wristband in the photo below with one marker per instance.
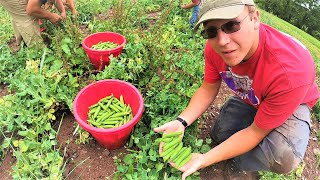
(183, 122)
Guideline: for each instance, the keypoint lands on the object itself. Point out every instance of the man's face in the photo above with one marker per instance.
(240, 45)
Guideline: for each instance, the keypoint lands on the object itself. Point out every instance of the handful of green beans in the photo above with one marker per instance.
(104, 45)
(173, 149)
(109, 112)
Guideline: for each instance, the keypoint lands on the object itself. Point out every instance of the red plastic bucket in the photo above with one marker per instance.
(113, 138)
(42, 27)
(100, 58)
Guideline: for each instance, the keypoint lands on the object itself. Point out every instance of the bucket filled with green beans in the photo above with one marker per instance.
(109, 109)
(101, 45)
(109, 112)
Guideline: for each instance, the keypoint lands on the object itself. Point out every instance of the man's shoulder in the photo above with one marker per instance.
(279, 41)
(287, 56)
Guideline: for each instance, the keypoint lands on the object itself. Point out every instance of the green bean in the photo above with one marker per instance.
(121, 99)
(166, 140)
(114, 108)
(177, 155)
(110, 122)
(164, 153)
(184, 155)
(172, 143)
(109, 111)
(104, 45)
(183, 162)
(171, 151)
(114, 119)
(97, 112)
(120, 114)
(176, 151)
(172, 134)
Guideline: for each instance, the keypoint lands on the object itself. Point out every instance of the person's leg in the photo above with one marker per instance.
(30, 32)
(194, 16)
(12, 7)
(234, 116)
(25, 27)
(284, 147)
(16, 33)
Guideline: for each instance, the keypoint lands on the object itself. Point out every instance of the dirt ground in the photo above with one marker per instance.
(91, 161)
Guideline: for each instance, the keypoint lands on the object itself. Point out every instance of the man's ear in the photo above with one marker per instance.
(256, 19)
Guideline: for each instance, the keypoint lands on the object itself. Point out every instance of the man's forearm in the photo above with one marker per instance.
(37, 11)
(200, 101)
(70, 4)
(60, 6)
(239, 143)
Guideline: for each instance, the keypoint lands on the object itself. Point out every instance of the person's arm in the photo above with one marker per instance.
(34, 9)
(239, 143)
(190, 5)
(60, 7)
(200, 101)
(70, 4)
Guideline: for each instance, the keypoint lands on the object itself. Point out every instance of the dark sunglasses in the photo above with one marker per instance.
(228, 28)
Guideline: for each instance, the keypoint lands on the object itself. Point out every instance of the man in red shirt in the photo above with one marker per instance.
(266, 125)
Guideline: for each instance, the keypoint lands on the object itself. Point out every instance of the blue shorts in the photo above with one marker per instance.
(280, 151)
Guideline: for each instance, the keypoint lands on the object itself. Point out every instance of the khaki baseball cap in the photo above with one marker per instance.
(220, 9)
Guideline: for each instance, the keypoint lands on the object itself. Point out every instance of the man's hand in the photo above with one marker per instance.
(195, 164)
(75, 12)
(172, 126)
(64, 15)
(54, 18)
(183, 6)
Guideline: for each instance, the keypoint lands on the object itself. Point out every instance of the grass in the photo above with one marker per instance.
(310, 42)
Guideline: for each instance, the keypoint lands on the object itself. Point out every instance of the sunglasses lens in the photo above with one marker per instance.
(211, 32)
(230, 27)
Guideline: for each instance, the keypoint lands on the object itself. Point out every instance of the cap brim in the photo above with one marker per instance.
(228, 12)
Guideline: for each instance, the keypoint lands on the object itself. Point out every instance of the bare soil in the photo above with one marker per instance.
(91, 161)
(13, 45)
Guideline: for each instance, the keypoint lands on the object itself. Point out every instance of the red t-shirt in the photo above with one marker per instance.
(276, 79)
(196, 1)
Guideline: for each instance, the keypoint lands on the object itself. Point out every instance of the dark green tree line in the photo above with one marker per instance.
(302, 13)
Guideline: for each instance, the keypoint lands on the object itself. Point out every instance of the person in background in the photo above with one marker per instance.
(68, 3)
(266, 125)
(25, 14)
(71, 6)
(195, 5)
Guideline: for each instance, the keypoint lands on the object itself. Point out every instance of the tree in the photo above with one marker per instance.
(301, 13)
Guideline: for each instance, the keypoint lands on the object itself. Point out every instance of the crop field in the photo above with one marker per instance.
(162, 58)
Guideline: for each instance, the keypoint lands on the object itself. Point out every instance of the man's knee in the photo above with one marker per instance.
(285, 164)
(234, 116)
